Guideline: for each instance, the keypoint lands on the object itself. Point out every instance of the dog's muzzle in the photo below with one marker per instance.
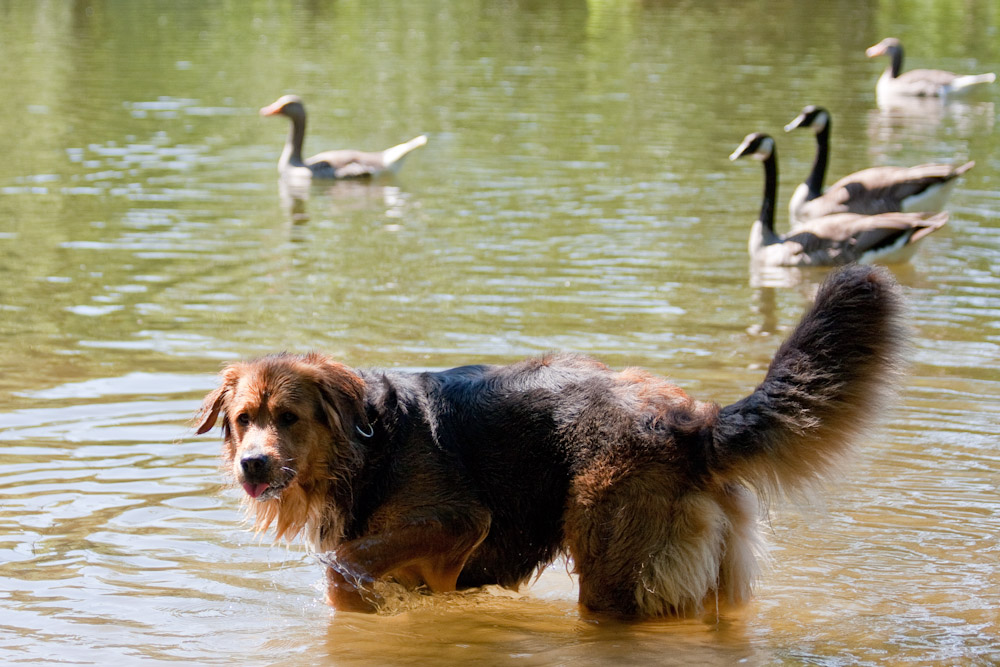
(256, 474)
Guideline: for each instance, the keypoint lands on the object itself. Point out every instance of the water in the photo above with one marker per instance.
(575, 194)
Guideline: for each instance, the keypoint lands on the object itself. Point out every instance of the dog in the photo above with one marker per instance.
(484, 474)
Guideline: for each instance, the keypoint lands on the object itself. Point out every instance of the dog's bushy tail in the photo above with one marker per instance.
(827, 383)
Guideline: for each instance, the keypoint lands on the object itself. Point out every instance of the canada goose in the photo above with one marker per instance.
(833, 239)
(330, 164)
(870, 191)
(918, 82)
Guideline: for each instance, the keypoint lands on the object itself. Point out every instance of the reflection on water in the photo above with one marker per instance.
(916, 121)
(339, 199)
(576, 194)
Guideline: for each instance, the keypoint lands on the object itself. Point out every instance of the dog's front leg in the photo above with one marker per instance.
(349, 593)
(425, 552)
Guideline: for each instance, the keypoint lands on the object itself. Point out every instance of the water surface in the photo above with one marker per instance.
(575, 194)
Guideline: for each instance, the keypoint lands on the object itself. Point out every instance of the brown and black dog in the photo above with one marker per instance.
(483, 474)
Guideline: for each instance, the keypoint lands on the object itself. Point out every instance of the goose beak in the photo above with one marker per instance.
(271, 110)
(797, 123)
(876, 50)
(741, 151)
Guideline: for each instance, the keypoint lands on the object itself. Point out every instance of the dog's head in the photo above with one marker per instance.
(289, 422)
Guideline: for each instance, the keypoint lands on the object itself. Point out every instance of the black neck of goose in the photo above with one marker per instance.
(896, 66)
(815, 180)
(296, 135)
(770, 192)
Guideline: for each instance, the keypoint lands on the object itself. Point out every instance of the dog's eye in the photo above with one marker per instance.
(288, 418)
(243, 419)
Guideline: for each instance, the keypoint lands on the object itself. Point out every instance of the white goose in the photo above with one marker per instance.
(833, 239)
(918, 82)
(870, 191)
(330, 164)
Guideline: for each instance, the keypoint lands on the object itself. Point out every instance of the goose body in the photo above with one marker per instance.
(830, 240)
(336, 164)
(870, 191)
(918, 82)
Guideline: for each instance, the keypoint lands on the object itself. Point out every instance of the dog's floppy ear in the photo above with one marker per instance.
(342, 394)
(212, 405)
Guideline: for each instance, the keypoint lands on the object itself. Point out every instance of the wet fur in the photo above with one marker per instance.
(482, 474)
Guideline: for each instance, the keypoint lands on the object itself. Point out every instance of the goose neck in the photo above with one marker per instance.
(770, 195)
(896, 60)
(292, 153)
(818, 173)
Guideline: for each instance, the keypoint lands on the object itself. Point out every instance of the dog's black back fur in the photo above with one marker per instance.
(496, 426)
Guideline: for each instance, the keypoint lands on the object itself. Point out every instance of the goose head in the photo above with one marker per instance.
(757, 145)
(894, 49)
(889, 45)
(813, 117)
(287, 105)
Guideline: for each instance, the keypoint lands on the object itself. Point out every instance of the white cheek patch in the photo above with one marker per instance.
(822, 120)
(765, 150)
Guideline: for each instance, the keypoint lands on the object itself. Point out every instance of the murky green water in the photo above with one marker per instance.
(575, 194)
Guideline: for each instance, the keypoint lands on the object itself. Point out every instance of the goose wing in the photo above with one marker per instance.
(923, 82)
(880, 189)
(345, 164)
(848, 237)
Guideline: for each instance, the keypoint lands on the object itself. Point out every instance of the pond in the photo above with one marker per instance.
(575, 194)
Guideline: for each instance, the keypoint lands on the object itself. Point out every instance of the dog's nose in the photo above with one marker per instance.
(254, 468)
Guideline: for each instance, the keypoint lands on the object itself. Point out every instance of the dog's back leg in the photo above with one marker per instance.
(642, 549)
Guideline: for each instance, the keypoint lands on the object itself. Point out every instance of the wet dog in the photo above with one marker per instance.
(483, 474)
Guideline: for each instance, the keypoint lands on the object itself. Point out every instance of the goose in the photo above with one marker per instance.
(331, 164)
(831, 240)
(870, 191)
(918, 82)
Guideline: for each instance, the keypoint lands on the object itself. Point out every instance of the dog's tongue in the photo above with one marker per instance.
(254, 490)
